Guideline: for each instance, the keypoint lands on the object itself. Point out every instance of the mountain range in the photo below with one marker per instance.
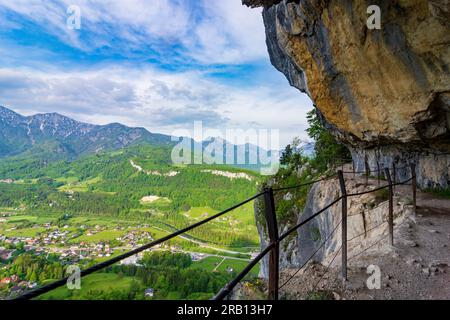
(52, 136)
(63, 137)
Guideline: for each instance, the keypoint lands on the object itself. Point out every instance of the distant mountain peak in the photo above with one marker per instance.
(19, 134)
(5, 112)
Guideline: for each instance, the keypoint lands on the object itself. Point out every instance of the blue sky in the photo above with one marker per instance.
(159, 64)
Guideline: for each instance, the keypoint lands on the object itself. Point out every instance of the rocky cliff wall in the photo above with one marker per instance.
(367, 216)
(385, 93)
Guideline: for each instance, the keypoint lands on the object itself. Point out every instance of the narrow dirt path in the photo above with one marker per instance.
(219, 264)
(417, 267)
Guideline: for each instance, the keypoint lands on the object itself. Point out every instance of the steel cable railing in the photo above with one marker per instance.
(305, 184)
(329, 236)
(379, 188)
(287, 233)
(294, 228)
(377, 242)
(312, 256)
(327, 268)
(364, 233)
(272, 248)
(382, 168)
(37, 292)
(369, 247)
(230, 286)
(367, 231)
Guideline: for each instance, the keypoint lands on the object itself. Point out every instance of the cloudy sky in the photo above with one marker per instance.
(159, 64)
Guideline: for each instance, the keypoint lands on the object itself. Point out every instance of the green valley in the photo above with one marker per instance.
(98, 206)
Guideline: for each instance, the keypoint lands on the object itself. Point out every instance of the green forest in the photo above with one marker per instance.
(107, 185)
(170, 275)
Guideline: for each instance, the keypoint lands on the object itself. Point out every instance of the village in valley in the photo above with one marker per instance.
(98, 207)
(83, 244)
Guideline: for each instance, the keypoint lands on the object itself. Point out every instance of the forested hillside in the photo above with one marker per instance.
(136, 183)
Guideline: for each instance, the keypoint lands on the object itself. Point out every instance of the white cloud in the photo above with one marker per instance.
(216, 32)
(229, 33)
(161, 102)
(211, 32)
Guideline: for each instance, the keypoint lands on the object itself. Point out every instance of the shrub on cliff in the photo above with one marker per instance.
(328, 152)
(297, 168)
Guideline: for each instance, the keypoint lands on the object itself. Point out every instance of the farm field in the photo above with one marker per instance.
(98, 281)
(98, 207)
(117, 284)
(102, 236)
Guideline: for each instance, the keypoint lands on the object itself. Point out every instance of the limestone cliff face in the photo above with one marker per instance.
(385, 93)
(366, 222)
(367, 216)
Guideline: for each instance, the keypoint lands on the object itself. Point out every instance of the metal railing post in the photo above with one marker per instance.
(344, 224)
(414, 186)
(391, 207)
(274, 257)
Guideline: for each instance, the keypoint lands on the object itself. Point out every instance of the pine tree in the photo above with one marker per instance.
(33, 277)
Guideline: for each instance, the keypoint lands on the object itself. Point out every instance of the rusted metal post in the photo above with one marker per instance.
(414, 186)
(394, 175)
(274, 256)
(344, 224)
(391, 207)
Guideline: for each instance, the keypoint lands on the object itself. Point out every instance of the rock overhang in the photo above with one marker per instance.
(376, 90)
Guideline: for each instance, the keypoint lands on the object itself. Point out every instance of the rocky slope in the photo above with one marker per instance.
(385, 93)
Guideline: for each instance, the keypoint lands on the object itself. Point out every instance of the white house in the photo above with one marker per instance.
(149, 293)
